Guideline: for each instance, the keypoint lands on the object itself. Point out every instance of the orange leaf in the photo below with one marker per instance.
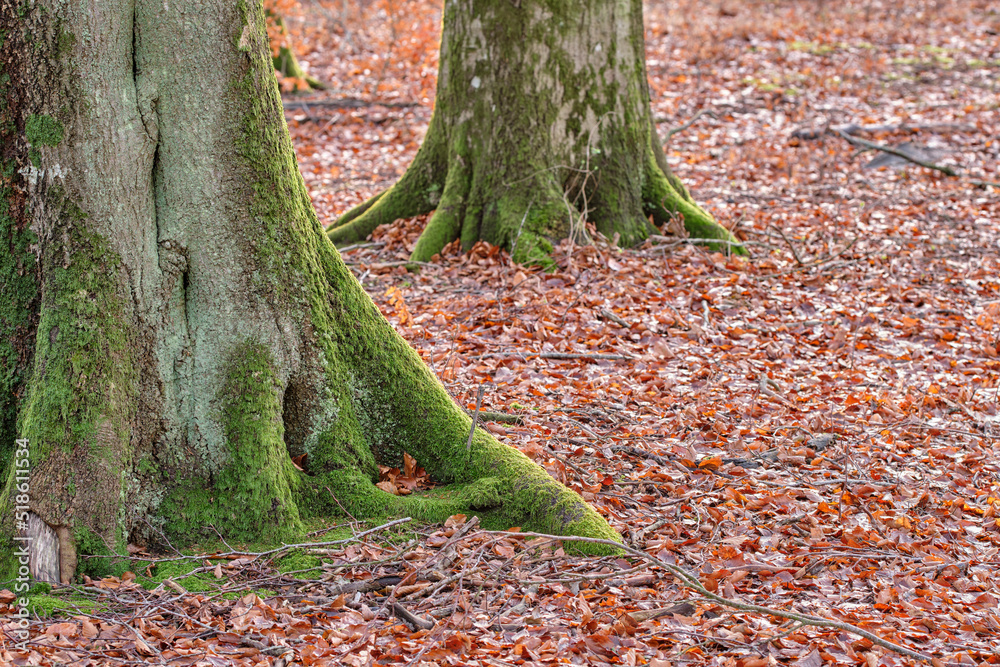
(713, 463)
(388, 487)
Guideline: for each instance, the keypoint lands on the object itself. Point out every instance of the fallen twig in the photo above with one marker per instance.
(676, 240)
(415, 622)
(391, 265)
(344, 103)
(575, 355)
(524, 354)
(638, 453)
(690, 581)
(608, 315)
(855, 141)
(357, 246)
(815, 262)
(363, 586)
(675, 130)
(853, 129)
(795, 253)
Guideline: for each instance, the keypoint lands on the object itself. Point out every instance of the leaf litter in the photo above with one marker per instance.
(814, 429)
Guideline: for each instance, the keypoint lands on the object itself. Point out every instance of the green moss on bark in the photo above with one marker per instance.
(377, 397)
(84, 373)
(42, 130)
(18, 299)
(80, 400)
(542, 123)
(251, 497)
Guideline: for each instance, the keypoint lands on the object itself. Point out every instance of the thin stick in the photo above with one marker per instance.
(475, 418)
(894, 151)
(795, 253)
(679, 241)
(575, 355)
(552, 355)
(702, 112)
(415, 622)
(690, 581)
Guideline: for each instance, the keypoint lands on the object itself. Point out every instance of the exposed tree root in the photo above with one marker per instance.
(416, 193)
(529, 216)
(519, 493)
(446, 223)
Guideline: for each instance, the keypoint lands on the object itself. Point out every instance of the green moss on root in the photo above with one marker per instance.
(398, 401)
(378, 396)
(419, 191)
(664, 197)
(446, 223)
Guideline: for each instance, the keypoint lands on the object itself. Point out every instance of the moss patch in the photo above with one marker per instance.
(302, 564)
(18, 311)
(181, 572)
(47, 606)
(41, 130)
(87, 372)
(95, 559)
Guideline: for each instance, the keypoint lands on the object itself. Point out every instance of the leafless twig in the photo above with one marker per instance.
(690, 581)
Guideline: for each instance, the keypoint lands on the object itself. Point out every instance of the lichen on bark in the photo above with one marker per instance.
(542, 123)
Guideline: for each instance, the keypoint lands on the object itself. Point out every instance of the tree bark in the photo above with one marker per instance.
(542, 123)
(180, 324)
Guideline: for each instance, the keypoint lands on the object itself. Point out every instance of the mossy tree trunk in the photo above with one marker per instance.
(542, 121)
(285, 62)
(177, 325)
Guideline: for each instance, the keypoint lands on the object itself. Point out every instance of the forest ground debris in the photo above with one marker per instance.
(889, 339)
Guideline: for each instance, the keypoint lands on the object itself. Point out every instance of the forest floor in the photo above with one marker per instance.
(814, 429)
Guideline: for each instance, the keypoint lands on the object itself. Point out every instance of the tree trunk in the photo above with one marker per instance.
(285, 62)
(180, 325)
(542, 122)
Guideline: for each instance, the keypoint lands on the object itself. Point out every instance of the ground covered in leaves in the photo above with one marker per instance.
(813, 429)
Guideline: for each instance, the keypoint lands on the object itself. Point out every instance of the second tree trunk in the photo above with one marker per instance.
(542, 123)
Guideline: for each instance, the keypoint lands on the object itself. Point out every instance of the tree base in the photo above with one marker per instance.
(541, 125)
(194, 330)
(528, 218)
